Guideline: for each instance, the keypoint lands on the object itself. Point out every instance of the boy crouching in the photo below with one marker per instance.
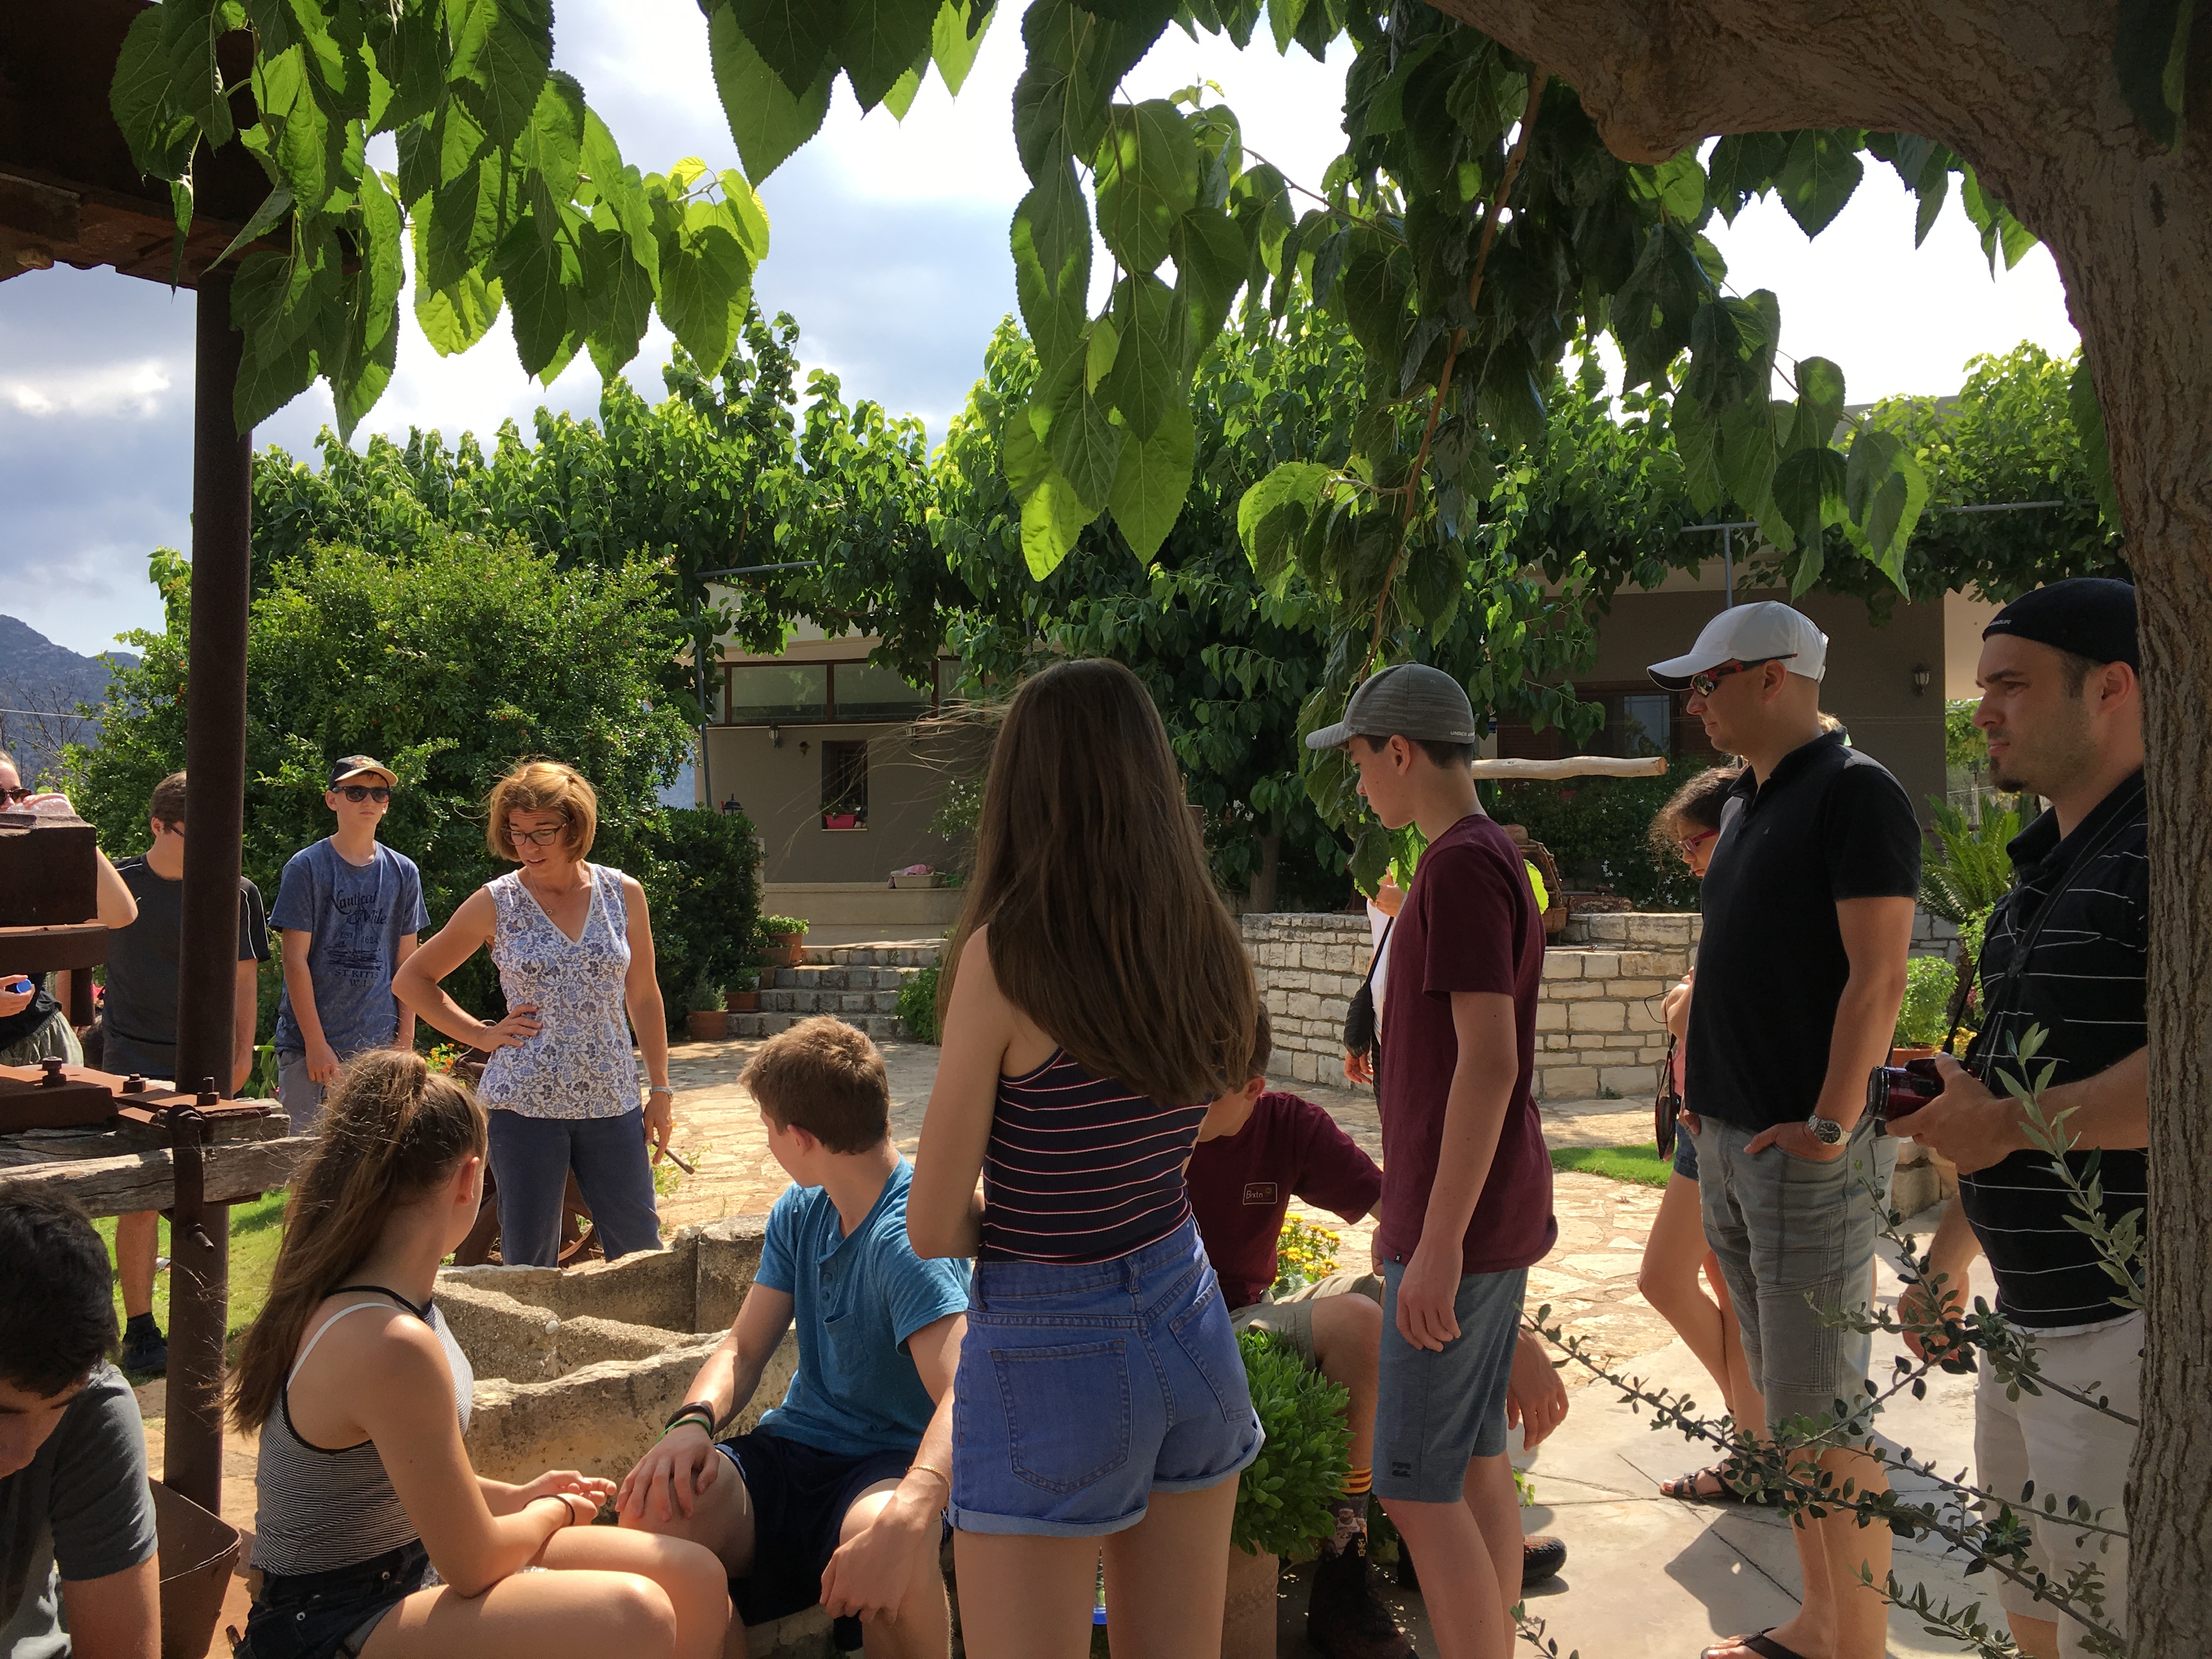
(838, 1496)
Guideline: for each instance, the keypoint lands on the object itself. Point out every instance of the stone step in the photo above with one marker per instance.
(828, 1002)
(893, 953)
(838, 978)
(768, 1023)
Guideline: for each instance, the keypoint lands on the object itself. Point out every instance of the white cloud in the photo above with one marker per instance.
(137, 388)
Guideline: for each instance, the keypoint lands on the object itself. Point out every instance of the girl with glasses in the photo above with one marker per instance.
(574, 946)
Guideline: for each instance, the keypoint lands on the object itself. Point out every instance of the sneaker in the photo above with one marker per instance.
(1541, 1559)
(1345, 1618)
(145, 1352)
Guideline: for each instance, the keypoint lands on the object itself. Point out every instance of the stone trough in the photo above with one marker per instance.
(578, 1368)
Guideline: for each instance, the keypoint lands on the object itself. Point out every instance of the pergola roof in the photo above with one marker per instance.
(69, 193)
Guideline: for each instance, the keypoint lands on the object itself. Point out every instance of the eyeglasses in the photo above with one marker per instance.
(11, 796)
(362, 792)
(538, 837)
(1689, 845)
(1703, 684)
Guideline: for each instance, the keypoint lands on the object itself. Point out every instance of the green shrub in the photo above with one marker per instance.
(917, 1006)
(700, 874)
(1283, 1499)
(1598, 828)
(1922, 1021)
(778, 926)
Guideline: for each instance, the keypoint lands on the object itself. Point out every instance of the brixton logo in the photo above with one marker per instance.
(1260, 1192)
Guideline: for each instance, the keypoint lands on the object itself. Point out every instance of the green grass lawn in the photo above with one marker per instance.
(1641, 1165)
(255, 1230)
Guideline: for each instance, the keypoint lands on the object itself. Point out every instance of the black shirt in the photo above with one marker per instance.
(1829, 823)
(139, 1010)
(2084, 983)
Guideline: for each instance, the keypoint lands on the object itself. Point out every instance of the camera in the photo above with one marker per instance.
(1901, 1091)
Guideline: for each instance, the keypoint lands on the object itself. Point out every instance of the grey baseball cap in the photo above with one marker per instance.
(1411, 700)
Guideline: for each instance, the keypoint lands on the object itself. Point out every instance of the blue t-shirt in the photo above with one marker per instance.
(356, 916)
(858, 1297)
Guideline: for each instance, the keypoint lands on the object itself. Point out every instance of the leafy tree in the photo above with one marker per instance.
(449, 664)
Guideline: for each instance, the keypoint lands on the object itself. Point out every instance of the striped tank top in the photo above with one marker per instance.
(318, 1509)
(1080, 1170)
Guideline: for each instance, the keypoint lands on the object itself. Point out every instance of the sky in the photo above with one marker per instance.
(888, 248)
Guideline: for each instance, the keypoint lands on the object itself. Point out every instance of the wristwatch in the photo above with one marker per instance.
(1826, 1130)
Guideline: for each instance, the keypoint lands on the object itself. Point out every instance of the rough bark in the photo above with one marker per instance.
(2025, 90)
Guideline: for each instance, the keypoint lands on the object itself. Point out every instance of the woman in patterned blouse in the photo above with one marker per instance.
(574, 946)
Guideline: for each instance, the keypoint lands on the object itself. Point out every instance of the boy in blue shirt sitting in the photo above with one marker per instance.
(839, 1495)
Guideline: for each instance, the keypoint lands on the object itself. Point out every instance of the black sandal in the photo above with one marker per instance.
(1694, 1494)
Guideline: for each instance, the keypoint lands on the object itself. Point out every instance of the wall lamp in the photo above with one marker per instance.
(1921, 675)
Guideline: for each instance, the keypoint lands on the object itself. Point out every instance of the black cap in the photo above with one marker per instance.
(2091, 616)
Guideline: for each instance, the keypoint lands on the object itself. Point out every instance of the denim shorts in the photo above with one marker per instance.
(1436, 1411)
(1083, 1389)
(1796, 1238)
(1685, 1152)
(331, 1615)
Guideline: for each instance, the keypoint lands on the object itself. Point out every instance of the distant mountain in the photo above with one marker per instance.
(41, 683)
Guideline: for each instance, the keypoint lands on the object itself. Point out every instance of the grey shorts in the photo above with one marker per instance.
(1291, 1314)
(1438, 1410)
(1796, 1238)
(301, 1096)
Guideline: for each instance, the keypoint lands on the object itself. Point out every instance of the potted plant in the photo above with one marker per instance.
(916, 875)
(704, 1017)
(743, 998)
(1283, 1499)
(784, 938)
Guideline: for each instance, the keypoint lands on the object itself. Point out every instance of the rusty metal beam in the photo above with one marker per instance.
(207, 959)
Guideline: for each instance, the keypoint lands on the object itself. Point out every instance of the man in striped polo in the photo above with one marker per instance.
(2065, 952)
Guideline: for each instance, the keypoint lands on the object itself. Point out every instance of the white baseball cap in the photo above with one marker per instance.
(1760, 632)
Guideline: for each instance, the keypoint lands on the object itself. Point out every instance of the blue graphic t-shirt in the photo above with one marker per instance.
(354, 915)
(858, 1297)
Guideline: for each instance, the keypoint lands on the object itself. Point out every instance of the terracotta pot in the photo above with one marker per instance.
(1247, 1619)
(793, 946)
(706, 1023)
(742, 1002)
(1899, 1056)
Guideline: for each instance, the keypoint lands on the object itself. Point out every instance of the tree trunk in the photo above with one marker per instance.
(1260, 898)
(2025, 90)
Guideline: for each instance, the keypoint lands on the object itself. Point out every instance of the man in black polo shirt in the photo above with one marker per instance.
(2063, 708)
(1808, 922)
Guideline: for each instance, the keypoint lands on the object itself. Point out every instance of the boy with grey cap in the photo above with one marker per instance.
(1467, 1184)
(2066, 951)
(1807, 906)
(351, 911)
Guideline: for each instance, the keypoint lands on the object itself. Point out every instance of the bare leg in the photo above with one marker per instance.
(611, 1591)
(1469, 1555)
(1167, 1577)
(1668, 1281)
(921, 1627)
(137, 1243)
(1347, 1335)
(1024, 1597)
(721, 1519)
(2036, 1638)
(1838, 1617)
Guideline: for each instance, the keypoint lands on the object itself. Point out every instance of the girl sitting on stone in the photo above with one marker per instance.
(375, 1537)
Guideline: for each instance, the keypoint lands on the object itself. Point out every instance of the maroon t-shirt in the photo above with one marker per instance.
(1469, 923)
(1241, 1187)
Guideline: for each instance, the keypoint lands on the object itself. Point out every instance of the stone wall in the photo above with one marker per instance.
(1597, 1025)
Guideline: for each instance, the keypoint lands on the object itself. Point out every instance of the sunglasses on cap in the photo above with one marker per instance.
(1703, 684)
(362, 792)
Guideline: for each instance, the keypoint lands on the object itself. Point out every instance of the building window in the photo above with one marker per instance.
(844, 784)
(861, 692)
(764, 694)
(1647, 721)
(1638, 720)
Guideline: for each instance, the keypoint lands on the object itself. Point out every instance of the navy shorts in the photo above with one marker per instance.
(799, 1496)
(1686, 1154)
(1438, 1410)
(1084, 1389)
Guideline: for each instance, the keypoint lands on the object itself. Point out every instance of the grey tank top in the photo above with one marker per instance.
(318, 1509)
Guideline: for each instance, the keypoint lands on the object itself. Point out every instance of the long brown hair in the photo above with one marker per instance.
(1105, 927)
(392, 1129)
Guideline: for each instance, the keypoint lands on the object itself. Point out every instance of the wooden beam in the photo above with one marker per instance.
(145, 1181)
(1573, 766)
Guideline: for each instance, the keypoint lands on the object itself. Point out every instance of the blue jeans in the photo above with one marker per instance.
(531, 1158)
(1083, 1389)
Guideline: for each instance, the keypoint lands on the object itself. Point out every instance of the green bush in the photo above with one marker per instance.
(917, 1006)
(778, 926)
(1923, 1022)
(1283, 1499)
(700, 874)
(1598, 828)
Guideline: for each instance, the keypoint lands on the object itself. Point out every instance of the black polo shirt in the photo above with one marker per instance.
(1829, 823)
(2084, 983)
